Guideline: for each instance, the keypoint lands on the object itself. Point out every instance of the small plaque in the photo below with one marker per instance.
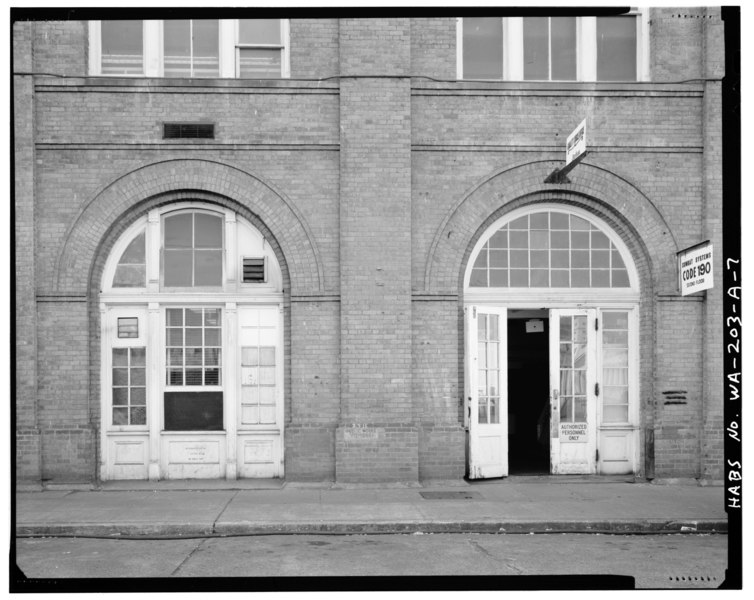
(573, 432)
(128, 327)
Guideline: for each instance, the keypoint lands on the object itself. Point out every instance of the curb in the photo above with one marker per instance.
(229, 529)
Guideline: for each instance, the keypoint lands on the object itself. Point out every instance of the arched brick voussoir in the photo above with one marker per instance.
(182, 176)
(618, 201)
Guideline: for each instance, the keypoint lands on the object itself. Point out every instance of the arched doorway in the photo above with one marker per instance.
(551, 303)
(192, 348)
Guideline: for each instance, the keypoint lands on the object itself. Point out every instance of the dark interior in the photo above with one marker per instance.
(528, 399)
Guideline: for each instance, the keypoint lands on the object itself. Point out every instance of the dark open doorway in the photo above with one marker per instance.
(528, 392)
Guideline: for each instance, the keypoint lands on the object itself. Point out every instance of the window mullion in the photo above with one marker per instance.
(228, 37)
(153, 48)
(586, 64)
(513, 48)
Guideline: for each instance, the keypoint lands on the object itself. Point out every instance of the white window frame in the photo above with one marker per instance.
(586, 43)
(153, 49)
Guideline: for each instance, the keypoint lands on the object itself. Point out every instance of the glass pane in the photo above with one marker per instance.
(492, 355)
(266, 375)
(478, 278)
(138, 376)
(206, 48)
(178, 268)
(499, 259)
(482, 327)
(194, 317)
(521, 223)
(120, 376)
(267, 394)
(138, 415)
(580, 259)
(249, 356)
(579, 409)
(614, 357)
(499, 239)
(481, 355)
(482, 411)
(494, 413)
(615, 320)
(617, 261)
(579, 224)
(560, 278)
(579, 329)
(134, 254)
(212, 317)
(120, 416)
(212, 356)
(177, 48)
(519, 259)
(566, 382)
(540, 278)
(559, 220)
(540, 220)
(212, 377)
(616, 48)
(208, 267)
(267, 356)
(600, 259)
(194, 357)
(498, 278)
(600, 240)
(138, 357)
(615, 376)
(120, 396)
(208, 231)
(565, 329)
(560, 239)
(620, 278)
(193, 337)
(494, 330)
(211, 337)
(257, 63)
(540, 259)
(175, 317)
(259, 31)
(482, 48)
(249, 394)
(493, 376)
(120, 357)
(540, 240)
(579, 382)
(122, 48)
(580, 278)
(175, 377)
(615, 414)
(178, 231)
(563, 35)
(193, 377)
(482, 383)
(615, 338)
(580, 240)
(130, 276)
(519, 239)
(536, 51)
(615, 394)
(565, 409)
(175, 337)
(560, 259)
(579, 356)
(600, 278)
(175, 357)
(481, 259)
(138, 396)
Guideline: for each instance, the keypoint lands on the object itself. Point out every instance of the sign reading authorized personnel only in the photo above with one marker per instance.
(695, 268)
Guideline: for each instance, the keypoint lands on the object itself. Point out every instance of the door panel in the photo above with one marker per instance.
(486, 411)
(572, 391)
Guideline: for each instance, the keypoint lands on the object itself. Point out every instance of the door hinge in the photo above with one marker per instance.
(596, 389)
(596, 324)
(597, 455)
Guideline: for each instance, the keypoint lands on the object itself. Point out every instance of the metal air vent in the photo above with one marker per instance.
(193, 131)
(254, 270)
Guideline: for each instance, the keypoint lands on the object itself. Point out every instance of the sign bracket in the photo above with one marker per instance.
(561, 175)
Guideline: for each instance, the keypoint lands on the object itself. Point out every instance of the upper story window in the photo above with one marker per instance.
(190, 48)
(554, 48)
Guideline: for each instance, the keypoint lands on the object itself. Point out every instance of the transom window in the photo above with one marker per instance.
(549, 249)
(190, 48)
(553, 48)
(193, 250)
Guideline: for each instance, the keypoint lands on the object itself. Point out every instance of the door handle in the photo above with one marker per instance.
(555, 394)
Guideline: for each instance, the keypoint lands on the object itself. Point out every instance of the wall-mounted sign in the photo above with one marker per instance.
(573, 432)
(535, 326)
(576, 143)
(695, 268)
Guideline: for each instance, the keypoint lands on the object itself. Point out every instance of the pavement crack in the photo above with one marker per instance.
(224, 508)
(508, 563)
(188, 557)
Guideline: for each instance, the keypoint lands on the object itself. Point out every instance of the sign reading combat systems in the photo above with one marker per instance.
(695, 268)
(576, 143)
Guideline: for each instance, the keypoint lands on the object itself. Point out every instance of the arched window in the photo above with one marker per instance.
(549, 249)
(192, 348)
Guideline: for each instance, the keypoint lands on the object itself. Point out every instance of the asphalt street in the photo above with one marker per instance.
(655, 561)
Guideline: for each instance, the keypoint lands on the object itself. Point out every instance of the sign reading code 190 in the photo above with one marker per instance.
(695, 268)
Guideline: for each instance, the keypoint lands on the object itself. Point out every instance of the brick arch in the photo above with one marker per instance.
(624, 207)
(183, 179)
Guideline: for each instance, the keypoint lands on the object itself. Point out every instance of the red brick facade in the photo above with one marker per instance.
(373, 172)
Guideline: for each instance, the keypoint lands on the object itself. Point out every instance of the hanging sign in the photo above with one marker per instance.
(695, 268)
(576, 143)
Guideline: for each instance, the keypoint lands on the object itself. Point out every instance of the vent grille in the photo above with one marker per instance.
(188, 131)
(253, 270)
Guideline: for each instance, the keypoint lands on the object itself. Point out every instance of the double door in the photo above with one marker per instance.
(573, 391)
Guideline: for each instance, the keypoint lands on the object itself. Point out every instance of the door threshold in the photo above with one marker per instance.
(202, 485)
(546, 478)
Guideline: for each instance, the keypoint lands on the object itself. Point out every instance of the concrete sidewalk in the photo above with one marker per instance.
(512, 505)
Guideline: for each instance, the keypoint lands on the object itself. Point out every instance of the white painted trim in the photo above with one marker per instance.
(513, 49)
(643, 46)
(586, 56)
(459, 47)
(231, 396)
(95, 47)
(154, 389)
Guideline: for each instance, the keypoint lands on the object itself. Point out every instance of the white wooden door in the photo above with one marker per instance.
(486, 411)
(573, 413)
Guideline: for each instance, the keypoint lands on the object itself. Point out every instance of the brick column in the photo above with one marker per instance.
(377, 439)
(26, 426)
